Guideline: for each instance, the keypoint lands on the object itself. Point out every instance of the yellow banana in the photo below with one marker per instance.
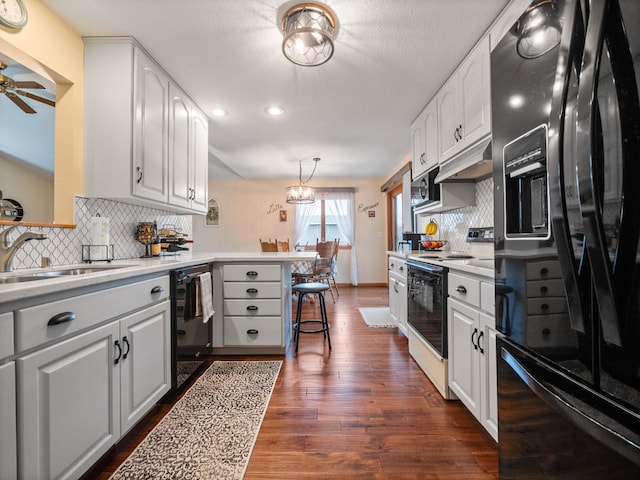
(431, 228)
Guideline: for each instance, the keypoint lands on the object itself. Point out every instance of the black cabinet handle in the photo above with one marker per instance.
(461, 289)
(393, 265)
(401, 268)
(139, 174)
(481, 336)
(544, 307)
(544, 271)
(252, 331)
(252, 308)
(543, 289)
(252, 290)
(252, 273)
(63, 317)
(475, 332)
(157, 289)
(117, 345)
(546, 331)
(125, 340)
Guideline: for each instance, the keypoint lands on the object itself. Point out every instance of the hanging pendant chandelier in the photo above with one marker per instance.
(301, 193)
(308, 31)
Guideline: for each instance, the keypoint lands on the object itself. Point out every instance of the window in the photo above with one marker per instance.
(328, 218)
(395, 216)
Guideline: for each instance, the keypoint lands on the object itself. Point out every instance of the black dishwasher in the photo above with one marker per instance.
(190, 333)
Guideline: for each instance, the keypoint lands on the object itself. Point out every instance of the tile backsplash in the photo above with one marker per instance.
(64, 245)
(455, 224)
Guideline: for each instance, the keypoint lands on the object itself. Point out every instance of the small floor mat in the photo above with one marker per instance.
(377, 316)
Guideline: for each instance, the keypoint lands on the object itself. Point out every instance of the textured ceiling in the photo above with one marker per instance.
(353, 112)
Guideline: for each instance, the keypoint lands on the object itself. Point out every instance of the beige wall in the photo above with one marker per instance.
(249, 210)
(51, 48)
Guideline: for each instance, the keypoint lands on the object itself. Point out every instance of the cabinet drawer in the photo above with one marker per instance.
(551, 331)
(397, 265)
(31, 324)
(488, 297)
(546, 306)
(6, 335)
(544, 269)
(262, 331)
(544, 288)
(252, 290)
(464, 288)
(243, 273)
(252, 308)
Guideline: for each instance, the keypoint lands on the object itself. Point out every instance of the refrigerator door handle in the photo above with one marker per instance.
(572, 37)
(626, 89)
(589, 195)
(550, 395)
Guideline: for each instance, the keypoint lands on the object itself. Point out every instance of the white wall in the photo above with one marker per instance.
(249, 210)
(30, 186)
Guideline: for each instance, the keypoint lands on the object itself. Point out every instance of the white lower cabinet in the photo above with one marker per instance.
(78, 393)
(8, 437)
(472, 347)
(398, 292)
(256, 306)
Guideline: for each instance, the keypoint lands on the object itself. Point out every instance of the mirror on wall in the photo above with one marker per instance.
(27, 141)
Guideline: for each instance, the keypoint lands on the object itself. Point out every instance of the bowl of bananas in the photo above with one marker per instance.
(427, 239)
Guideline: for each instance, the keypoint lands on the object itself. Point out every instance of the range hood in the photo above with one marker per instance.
(473, 164)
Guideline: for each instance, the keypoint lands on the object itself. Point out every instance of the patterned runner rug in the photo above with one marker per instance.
(210, 432)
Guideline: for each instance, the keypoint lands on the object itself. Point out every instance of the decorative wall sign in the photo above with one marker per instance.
(367, 208)
(212, 218)
(283, 215)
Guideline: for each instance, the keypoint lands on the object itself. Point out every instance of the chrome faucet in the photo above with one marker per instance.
(8, 248)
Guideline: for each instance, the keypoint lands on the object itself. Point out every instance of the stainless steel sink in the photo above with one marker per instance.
(56, 273)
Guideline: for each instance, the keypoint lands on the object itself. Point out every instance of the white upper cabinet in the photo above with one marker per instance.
(150, 96)
(188, 153)
(475, 95)
(139, 131)
(424, 133)
(464, 104)
(418, 165)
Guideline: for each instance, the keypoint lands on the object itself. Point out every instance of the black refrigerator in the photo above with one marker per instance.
(566, 170)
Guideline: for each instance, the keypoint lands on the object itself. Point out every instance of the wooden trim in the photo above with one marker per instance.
(38, 224)
(397, 177)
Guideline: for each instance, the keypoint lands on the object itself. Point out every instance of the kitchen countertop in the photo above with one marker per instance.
(132, 267)
(478, 266)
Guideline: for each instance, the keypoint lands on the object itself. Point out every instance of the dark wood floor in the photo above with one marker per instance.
(361, 410)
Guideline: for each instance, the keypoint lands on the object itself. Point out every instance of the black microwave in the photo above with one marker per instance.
(424, 189)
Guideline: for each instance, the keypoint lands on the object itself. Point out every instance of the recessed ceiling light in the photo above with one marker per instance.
(219, 112)
(274, 111)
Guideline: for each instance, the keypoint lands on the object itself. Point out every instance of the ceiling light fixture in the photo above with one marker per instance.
(308, 34)
(219, 112)
(301, 193)
(274, 111)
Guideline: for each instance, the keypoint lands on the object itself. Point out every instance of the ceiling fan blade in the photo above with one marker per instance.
(20, 103)
(36, 97)
(29, 84)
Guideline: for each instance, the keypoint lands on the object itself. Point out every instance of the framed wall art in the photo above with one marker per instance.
(212, 219)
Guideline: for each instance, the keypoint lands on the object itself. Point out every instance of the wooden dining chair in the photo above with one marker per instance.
(268, 246)
(322, 268)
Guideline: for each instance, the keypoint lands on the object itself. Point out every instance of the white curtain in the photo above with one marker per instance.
(344, 212)
(302, 221)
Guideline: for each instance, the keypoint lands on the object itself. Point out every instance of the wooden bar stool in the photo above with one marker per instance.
(312, 288)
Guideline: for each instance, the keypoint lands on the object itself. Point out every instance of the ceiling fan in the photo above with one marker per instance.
(12, 89)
